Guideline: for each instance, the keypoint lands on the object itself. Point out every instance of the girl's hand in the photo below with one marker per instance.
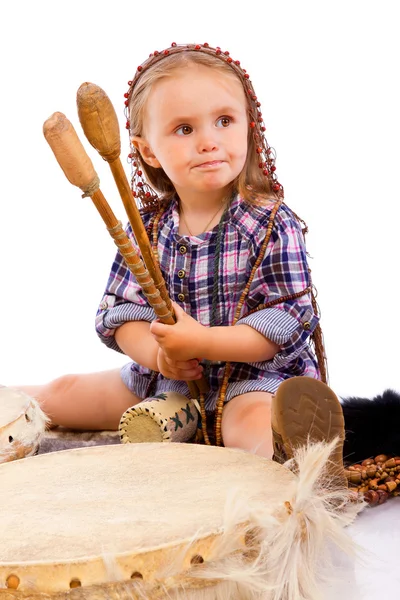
(186, 370)
(183, 340)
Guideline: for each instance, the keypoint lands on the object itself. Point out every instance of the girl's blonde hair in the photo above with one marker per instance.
(251, 183)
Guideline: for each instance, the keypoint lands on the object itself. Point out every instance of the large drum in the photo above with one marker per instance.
(22, 424)
(152, 521)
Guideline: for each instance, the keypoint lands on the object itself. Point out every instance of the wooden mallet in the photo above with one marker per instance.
(78, 168)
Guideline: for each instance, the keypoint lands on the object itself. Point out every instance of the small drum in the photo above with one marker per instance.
(154, 521)
(22, 424)
(167, 417)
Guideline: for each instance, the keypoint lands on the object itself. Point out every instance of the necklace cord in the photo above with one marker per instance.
(205, 228)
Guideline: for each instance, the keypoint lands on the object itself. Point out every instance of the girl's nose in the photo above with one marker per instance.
(209, 147)
(207, 142)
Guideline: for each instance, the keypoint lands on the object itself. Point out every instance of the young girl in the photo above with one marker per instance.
(233, 258)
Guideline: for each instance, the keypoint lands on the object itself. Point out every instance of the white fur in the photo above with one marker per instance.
(26, 434)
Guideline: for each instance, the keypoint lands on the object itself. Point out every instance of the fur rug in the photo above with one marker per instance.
(66, 439)
(372, 426)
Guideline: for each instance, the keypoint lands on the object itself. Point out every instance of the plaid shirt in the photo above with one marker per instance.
(187, 265)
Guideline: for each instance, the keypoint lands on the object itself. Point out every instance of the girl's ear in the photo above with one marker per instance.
(145, 151)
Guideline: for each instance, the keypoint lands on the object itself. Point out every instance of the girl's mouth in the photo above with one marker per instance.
(209, 164)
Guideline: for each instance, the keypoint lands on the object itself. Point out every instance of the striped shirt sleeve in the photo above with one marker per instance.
(122, 301)
(283, 272)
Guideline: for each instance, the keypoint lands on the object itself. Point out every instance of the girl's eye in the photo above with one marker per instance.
(224, 121)
(184, 130)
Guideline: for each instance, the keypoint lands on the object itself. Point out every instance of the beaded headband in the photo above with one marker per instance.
(140, 187)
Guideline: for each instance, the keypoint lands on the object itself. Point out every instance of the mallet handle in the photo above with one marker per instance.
(79, 170)
(100, 125)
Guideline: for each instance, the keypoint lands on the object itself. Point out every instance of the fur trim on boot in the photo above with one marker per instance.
(372, 426)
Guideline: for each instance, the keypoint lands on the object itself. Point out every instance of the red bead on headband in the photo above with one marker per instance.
(140, 188)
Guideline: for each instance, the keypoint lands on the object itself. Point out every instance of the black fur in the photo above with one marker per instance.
(372, 426)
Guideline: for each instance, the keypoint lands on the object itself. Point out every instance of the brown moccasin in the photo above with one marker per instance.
(306, 410)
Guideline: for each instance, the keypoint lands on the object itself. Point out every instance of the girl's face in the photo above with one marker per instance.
(196, 128)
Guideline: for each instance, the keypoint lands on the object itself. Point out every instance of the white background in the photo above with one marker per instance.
(327, 76)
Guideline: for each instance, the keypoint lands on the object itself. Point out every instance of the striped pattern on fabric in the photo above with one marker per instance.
(187, 264)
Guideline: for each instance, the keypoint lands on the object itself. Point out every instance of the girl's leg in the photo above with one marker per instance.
(92, 401)
(303, 409)
(246, 423)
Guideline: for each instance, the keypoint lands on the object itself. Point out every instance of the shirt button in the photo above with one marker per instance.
(181, 297)
(307, 325)
(103, 305)
(182, 249)
(181, 274)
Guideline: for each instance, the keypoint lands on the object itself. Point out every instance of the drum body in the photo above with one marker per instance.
(143, 521)
(22, 424)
